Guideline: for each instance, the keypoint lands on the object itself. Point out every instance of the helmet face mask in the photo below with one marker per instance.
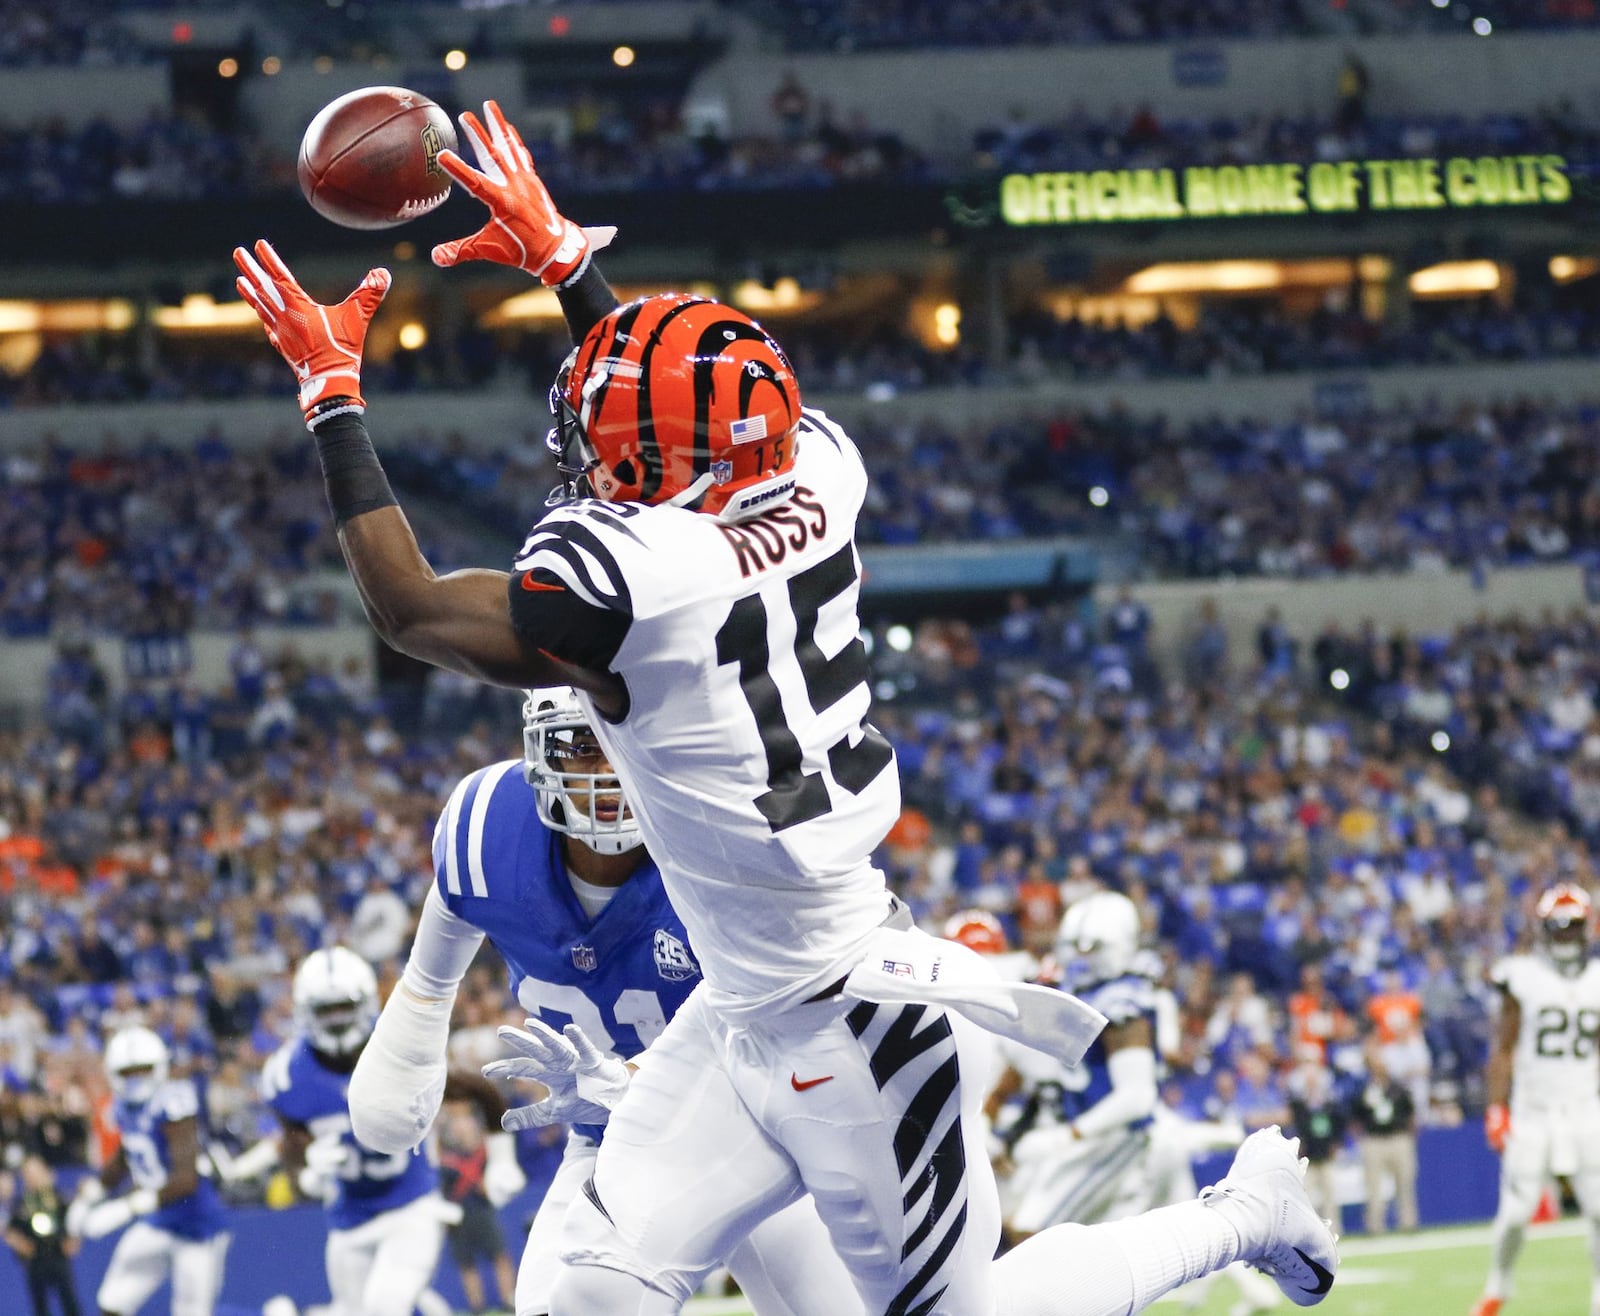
(336, 1000)
(575, 458)
(576, 789)
(136, 1065)
(679, 400)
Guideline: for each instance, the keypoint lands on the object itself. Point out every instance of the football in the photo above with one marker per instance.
(370, 159)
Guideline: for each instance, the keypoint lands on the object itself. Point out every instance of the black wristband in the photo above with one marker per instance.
(586, 301)
(351, 471)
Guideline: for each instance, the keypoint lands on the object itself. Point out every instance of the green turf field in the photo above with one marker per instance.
(1436, 1273)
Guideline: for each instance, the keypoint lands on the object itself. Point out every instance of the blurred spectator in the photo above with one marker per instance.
(1387, 1118)
(37, 1234)
(476, 1239)
(1318, 1118)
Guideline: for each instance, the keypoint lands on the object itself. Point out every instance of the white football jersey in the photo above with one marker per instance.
(1557, 1056)
(759, 787)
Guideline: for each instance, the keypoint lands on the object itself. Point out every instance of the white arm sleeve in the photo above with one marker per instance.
(443, 949)
(1132, 1096)
(398, 1082)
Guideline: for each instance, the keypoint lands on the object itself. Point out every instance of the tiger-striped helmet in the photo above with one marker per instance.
(677, 399)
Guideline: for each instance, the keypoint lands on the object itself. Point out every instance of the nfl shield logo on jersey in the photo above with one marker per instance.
(583, 957)
(672, 957)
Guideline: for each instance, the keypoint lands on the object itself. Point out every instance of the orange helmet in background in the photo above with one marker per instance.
(677, 399)
(1564, 912)
(978, 930)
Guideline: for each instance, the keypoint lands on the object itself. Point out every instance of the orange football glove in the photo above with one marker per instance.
(322, 343)
(1496, 1127)
(524, 229)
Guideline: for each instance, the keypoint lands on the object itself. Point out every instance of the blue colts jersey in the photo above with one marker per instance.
(1121, 1000)
(142, 1129)
(303, 1091)
(619, 976)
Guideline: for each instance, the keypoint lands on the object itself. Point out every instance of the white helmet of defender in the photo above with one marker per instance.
(335, 1000)
(1100, 932)
(577, 791)
(136, 1064)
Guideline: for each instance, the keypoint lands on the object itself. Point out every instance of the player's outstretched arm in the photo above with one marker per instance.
(525, 230)
(1497, 1075)
(399, 1080)
(459, 621)
(1131, 1061)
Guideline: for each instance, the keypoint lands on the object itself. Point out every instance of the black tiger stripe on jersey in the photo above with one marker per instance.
(944, 1175)
(922, 1115)
(809, 426)
(565, 544)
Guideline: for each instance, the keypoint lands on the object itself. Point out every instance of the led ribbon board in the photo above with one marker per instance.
(1328, 187)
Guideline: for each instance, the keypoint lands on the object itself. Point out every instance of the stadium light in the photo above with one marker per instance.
(898, 638)
(1440, 740)
(1339, 679)
(1099, 496)
(1482, 26)
(1566, 269)
(455, 60)
(1455, 278)
(413, 334)
(947, 323)
(623, 57)
(228, 68)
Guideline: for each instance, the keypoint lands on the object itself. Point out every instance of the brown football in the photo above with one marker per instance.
(371, 158)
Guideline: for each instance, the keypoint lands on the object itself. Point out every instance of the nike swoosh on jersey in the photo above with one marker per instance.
(798, 1086)
(532, 585)
(1323, 1274)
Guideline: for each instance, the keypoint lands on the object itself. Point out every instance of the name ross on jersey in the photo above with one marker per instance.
(766, 541)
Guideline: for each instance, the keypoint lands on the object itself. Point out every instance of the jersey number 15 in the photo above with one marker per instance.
(794, 796)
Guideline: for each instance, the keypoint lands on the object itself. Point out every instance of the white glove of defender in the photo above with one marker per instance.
(584, 1082)
(326, 1159)
(96, 1219)
(503, 1178)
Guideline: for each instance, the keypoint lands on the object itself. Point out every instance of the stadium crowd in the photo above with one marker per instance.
(612, 144)
(1422, 487)
(1320, 883)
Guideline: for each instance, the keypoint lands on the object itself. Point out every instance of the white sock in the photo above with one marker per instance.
(1505, 1247)
(1114, 1269)
(431, 1303)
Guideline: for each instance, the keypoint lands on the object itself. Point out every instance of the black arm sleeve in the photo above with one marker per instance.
(586, 301)
(351, 470)
(552, 620)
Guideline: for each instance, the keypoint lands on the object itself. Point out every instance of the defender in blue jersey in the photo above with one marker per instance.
(1078, 1146)
(175, 1222)
(386, 1219)
(557, 878)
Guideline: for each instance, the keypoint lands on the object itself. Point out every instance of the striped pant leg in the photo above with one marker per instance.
(889, 1146)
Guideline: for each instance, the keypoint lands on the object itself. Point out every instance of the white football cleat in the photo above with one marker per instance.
(1264, 1197)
